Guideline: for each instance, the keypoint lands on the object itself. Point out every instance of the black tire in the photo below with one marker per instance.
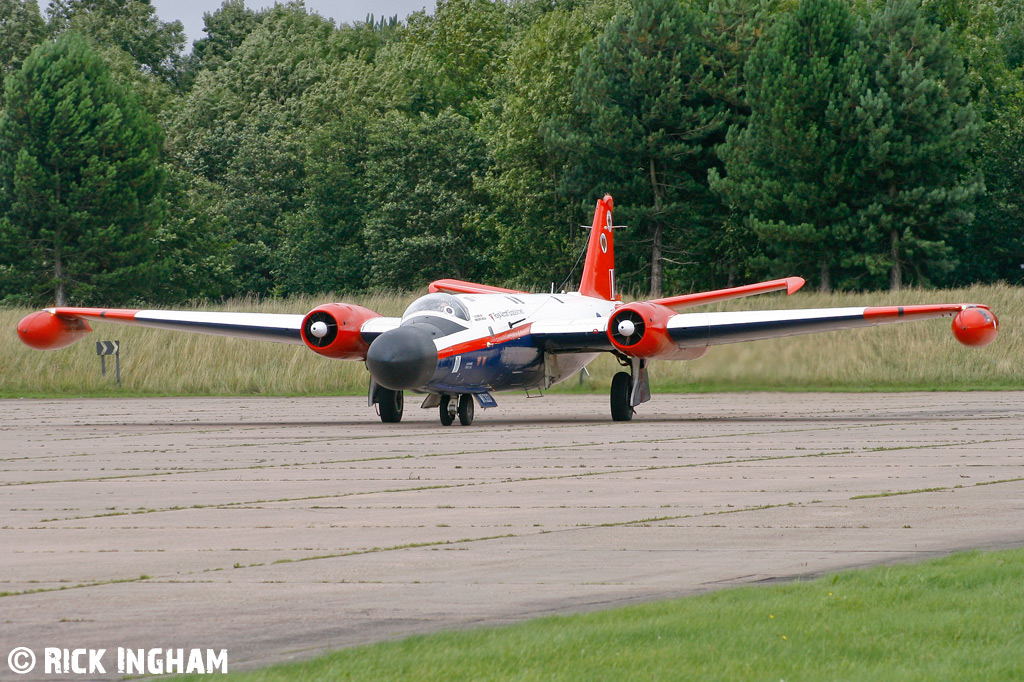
(447, 416)
(466, 409)
(622, 387)
(391, 404)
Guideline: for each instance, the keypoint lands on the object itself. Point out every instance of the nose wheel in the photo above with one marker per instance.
(457, 405)
(448, 409)
(466, 409)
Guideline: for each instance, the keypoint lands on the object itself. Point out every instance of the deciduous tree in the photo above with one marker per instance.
(421, 179)
(21, 28)
(130, 25)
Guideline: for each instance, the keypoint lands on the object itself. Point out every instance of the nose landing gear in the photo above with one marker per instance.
(461, 405)
(466, 409)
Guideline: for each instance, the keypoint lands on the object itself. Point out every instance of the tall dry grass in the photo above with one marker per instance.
(918, 355)
(155, 362)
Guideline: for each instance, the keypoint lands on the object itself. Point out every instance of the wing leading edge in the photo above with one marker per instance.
(283, 328)
(347, 329)
(655, 332)
(690, 330)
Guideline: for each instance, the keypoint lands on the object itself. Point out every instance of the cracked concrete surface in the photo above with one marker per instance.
(279, 528)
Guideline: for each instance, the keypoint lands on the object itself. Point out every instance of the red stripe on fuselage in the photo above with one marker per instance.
(485, 342)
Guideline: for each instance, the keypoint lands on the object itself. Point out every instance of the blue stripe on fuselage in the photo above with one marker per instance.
(515, 364)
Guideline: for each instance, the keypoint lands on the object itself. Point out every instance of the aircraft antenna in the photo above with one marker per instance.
(576, 264)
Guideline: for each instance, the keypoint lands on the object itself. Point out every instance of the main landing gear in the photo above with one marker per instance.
(461, 405)
(391, 405)
(622, 389)
(629, 389)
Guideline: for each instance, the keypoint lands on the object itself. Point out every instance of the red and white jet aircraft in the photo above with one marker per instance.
(462, 341)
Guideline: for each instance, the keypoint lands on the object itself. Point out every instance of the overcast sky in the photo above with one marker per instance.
(190, 12)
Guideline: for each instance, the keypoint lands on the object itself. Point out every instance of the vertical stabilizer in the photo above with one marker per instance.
(599, 269)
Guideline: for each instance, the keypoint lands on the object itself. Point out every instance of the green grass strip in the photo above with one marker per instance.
(956, 618)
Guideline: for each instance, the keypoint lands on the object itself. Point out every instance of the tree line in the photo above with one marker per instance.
(862, 144)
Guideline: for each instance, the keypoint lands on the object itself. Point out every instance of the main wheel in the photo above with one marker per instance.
(622, 387)
(447, 413)
(466, 409)
(391, 404)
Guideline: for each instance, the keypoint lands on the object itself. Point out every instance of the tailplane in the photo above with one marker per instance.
(598, 278)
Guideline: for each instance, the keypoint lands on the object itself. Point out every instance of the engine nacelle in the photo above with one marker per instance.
(975, 326)
(45, 331)
(641, 330)
(333, 330)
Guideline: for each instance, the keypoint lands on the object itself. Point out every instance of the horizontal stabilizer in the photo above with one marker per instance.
(790, 284)
(455, 286)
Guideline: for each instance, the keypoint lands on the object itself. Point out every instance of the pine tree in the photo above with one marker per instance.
(918, 131)
(648, 122)
(730, 30)
(791, 171)
(537, 223)
(79, 171)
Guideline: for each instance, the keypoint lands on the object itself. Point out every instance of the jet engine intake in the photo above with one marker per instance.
(333, 330)
(639, 330)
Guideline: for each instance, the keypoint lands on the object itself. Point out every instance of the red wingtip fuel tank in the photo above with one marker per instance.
(333, 330)
(44, 330)
(975, 326)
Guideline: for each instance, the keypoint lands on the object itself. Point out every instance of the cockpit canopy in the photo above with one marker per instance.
(445, 304)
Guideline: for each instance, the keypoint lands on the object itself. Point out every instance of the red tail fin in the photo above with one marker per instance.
(599, 269)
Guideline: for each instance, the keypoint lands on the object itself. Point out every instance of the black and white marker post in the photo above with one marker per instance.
(105, 348)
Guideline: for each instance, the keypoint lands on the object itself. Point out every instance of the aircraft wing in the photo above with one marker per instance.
(649, 330)
(710, 329)
(335, 329)
(282, 328)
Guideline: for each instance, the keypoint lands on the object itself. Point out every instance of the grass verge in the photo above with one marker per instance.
(955, 618)
(912, 356)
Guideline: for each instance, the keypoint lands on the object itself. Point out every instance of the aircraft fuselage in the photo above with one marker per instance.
(483, 342)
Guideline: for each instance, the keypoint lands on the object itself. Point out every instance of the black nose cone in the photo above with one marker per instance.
(402, 359)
